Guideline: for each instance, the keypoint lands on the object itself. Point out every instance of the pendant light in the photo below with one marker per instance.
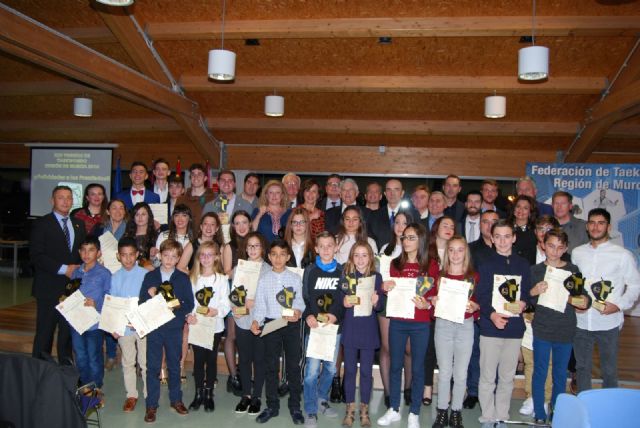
(222, 63)
(274, 105)
(533, 61)
(495, 106)
(82, 107)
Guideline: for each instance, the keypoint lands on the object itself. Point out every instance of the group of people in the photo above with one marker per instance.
(314, 248)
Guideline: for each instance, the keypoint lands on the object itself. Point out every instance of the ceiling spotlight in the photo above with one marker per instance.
(222, 63)
(274, 105)
(495, 107)
(82, 107)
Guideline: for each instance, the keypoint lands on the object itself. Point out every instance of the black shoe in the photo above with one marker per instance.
(254, 408)
(297, 418)
(234, 386)
(407, 396)
(336, 393)
(442, 419)
(197, 401)
(266, 415)
(455, 420)
(283, 389)
(387, 401)
(243, 405)
(470, 402)
(209, 405)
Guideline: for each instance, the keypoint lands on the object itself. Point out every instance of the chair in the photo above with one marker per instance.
(570, 412)
(88, 398)
(612, 407)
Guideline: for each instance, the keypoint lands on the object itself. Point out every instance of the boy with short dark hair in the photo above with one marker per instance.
(169, 336)
(96, 282)
(279, 295)
(126, 282)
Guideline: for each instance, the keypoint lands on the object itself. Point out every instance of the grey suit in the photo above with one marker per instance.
(215, 206)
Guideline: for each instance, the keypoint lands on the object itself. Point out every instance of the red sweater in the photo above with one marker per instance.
(412, 270)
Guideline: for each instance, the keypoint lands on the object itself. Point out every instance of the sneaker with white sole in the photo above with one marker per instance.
(326, 409)
(414, 421)
(389, 417)
(311, 421)
(527, 407)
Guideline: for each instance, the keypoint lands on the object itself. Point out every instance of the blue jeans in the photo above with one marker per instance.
(318, 375)
(89, 359)
(418, 335)
(560, 354)
(111, 344)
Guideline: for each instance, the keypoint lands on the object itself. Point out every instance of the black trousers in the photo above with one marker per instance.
(205, 363)
(430, 360)
(287, 338)
(47, 319)
(250, 362)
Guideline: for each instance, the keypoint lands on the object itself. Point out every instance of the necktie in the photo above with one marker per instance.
(333, 204)
(65, 229)
(392, 218)
(472, 231)
(137, 192)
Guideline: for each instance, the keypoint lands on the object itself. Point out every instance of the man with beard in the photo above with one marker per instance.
(489, 191)
(469, 226)
(609, 268)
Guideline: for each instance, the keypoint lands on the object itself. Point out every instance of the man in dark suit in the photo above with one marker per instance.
(526, 186)
(469, 226)
(332, 191)
(348, 195)
(379, 222)
(55, 241)
(489, 189)
(138, 192)
(451, 189)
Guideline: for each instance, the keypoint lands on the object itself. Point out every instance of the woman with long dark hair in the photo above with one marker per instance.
(523, 215)
(141, 228)
(308, 198)
(352, 229)
(94, 209)
(298, 235)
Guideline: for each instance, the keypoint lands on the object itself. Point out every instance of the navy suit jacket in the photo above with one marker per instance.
(149, 197)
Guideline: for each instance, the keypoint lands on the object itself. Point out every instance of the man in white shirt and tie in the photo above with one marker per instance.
(332, 190)
(469, 227)
(614, 270)
(292, 185)
(348, 194)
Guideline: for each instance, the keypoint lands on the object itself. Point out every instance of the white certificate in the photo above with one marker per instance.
(226, 233)
(273, 325)
(556, 295)
(81, 317)
(109, 250)
(113, 318)
(160, 213)
(400, 299)
(322, 342)
(298, 271)
(247, 274)
(453, 296)
(385, 267)
(203, 331)
(150, 315)
(497, 301)
(364, 290)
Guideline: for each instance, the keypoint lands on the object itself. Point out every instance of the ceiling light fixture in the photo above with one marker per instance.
(120, 3)
(533, 61)
(222, 63)
(82, 107)
(274, 105)
(495, 106)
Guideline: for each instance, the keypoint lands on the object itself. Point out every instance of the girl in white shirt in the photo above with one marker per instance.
(352, 230)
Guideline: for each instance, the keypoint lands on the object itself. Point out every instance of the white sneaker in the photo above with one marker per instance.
(389, 417)
(527, 407)
(414, 422)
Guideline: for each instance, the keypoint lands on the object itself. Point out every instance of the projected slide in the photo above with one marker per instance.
(73, 167)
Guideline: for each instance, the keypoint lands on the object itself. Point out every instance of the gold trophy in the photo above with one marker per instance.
(285, 298)
(423, 285)
(203, 297)
(601, 291)
(509, 290)
(324, 303)
(238, 297)
(70, 288)
(578, 295)
(348, 286)
(166, 289)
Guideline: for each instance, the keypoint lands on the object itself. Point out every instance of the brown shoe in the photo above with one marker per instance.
(150, 415)
(179, 407)
(129, 404)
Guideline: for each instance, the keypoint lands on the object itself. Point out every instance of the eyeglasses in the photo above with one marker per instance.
(409, 238)
(254, 246)
(298, 223)
(333, 184)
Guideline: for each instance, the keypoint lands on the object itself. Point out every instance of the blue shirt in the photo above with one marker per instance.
(127, 283)
(269, 284)
(96, 282)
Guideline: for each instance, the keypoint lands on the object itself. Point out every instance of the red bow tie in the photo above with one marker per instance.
(137, 192)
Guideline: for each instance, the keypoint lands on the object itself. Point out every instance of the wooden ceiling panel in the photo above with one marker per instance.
(13, 69)
(460, 56)
(58, 13)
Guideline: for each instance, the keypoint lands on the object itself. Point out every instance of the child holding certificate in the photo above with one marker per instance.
(553, 331)
(454, 341)
(412, 263)
(210, 290)
(126, 283)
(96, 282)
(169, 336)
(360, 337)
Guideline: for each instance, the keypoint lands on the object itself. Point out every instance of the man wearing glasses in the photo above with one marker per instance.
(332, 191)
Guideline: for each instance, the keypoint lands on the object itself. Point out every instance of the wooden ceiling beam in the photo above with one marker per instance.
(49, 87)
(421, 84)
(129, 35)
(30, 40)
(469, 26)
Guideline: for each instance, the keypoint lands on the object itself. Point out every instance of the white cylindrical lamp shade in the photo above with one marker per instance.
(274, 105)
(222, 64)
(533, 63)
(82, 107)
(495, 107)
(116, 2)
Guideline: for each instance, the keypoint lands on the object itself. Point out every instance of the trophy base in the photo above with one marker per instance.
(598, 305)
(62, 299)
(514, 307)
(353, 300)
(202, 310)
(240, 310)
(174, 303)
(578, 301)
(322, 318)
(288, 312)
